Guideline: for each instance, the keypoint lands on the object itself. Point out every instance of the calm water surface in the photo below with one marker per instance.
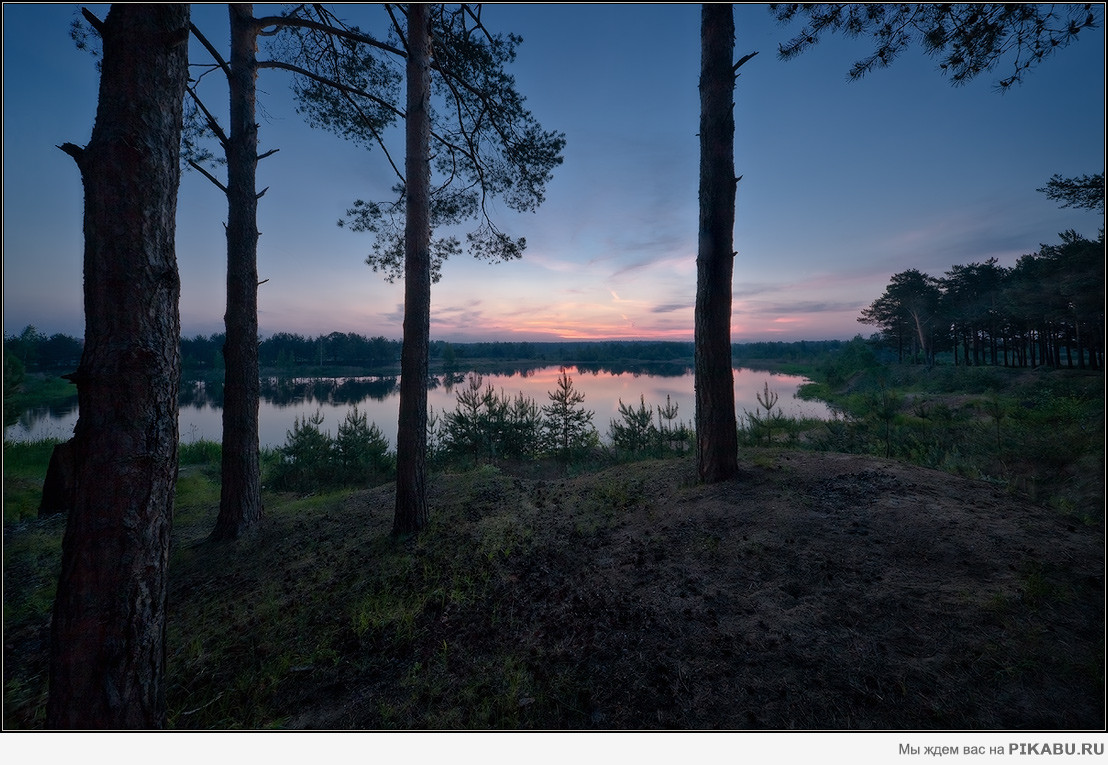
(285, 400)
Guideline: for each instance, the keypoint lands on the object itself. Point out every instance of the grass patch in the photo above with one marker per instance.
(25, 464)
(203, 452)
(1039, 433)
(396, 601)
(32, 563)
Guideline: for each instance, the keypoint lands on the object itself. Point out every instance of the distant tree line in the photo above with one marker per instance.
(286, 350)
(38, 353)
(800, 350)
(562, 352)
(1047, 310)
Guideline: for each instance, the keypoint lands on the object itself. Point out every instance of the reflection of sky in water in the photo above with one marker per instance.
(603, 392)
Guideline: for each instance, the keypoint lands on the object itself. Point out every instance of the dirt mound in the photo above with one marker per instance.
(815, 591)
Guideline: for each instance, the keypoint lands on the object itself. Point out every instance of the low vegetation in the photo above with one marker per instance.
(841, 582)
(1038, 433)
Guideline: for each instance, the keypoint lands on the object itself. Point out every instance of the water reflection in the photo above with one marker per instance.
(37, 417)
(283, 399)
(651, 369)
(290, 391)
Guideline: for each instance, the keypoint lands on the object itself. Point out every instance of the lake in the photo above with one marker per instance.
(285, 399)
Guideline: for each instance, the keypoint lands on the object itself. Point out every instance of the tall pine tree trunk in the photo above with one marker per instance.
(107, 642)
(411, 439)
(240, 503)
(717, 445)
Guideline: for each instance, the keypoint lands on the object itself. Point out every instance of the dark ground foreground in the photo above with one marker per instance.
(816, 591)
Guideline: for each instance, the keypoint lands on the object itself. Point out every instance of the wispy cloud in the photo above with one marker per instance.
(797, 307)
(671, 307)
(395, 316)
(668, 260)
(551, 263)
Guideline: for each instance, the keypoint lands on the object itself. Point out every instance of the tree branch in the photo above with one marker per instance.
(93, 21)
(213, 124)
(331, 84)
(396, 26)
(376, 136)
(345, 34)
(198, 168)
(73, 150)
(212, 50)
(742, 61)
(467, 10)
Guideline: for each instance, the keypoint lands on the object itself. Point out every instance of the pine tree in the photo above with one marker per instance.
(568, 427)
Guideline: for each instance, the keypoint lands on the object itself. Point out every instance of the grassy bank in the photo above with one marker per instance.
(1038, 433)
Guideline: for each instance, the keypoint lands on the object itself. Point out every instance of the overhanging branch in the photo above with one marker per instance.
(331, 84)
(345, 34)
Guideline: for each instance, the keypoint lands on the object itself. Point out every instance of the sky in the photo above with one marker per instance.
(843, 183)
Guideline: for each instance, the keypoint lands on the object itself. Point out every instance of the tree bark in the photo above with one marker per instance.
(240, 502)
(411, 439)
(107, 643)
(716, 427)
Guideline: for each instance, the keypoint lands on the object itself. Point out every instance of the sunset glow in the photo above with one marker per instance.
(843, 184)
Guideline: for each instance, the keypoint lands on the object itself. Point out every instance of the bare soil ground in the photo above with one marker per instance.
(815, 591)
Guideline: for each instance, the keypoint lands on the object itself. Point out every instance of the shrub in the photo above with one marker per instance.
(676, 437)
(14, 371)
(305, 463)
(523, 429)
(851, 358)
(636, 433)
(766, 422)
(567, 427)
(361, 452)
(312, 460)
(470, 427)
(489, 425)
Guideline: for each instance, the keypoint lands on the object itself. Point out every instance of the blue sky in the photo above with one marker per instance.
(843, 184)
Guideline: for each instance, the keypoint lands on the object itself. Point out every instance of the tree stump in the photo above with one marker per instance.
(60, 487)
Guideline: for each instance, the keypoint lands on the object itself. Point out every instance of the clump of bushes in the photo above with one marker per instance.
(311, 460)
(635, 435)
(484, 427)
(487, 425)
